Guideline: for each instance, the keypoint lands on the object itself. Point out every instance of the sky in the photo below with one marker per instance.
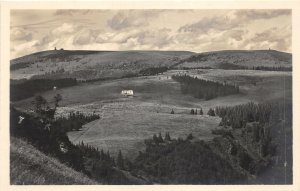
(191, 30)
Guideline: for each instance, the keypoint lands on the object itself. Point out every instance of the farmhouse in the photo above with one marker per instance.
(127, 92)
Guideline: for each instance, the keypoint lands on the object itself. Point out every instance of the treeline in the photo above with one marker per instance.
(183, 161)
(238, 116)
(273, 68)
(267, 129)
(204, 89)
(229, 66)
(143, 72)
(20, 65)
(51, 139)
(29, 88)
(153, 71)
(75, 120)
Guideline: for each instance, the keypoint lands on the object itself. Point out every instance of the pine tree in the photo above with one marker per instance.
(160, 139)
(201, 112)
(211, 112)
(167, 137)
(172, 112)
(155, 139)
(190, 136)
(57, 99)
(192, 112)
(120, 160)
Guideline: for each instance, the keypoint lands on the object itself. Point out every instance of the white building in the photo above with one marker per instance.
(127, 92)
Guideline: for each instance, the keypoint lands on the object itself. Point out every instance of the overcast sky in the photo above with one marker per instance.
(192, 30)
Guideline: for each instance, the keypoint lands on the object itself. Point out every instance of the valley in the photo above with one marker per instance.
(158, 104)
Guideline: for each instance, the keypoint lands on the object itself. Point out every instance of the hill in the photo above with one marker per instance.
(237, 59)
(85, 65)
(30, 166)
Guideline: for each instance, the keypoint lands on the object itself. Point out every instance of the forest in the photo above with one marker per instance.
(74, 120)
(204, 89)
(153, 71)
(252, 141)
(22, 89)
(49, 136)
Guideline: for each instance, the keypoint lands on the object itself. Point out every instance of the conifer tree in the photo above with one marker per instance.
(192, 111)
(211, 112)
(120, 160)
(167, 137)
(160, 139)
(201, 112)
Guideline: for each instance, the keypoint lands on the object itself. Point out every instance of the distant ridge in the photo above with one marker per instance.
(90, 64)
(227, 59)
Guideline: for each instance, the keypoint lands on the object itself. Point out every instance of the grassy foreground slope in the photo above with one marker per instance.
(30, 166)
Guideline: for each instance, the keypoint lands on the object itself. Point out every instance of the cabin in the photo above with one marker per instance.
(127, 92)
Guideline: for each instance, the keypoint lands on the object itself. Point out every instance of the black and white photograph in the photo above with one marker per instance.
(150, 97)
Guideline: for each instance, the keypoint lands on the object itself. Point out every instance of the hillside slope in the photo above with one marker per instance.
(234, 59)
(91, 64)
(30, 166)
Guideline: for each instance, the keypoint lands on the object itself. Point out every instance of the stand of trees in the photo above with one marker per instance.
(204, 89)
(20, 65)
(29, 88)
(182, 161)
(267, 129)
(74, 121)
(49, 136)
(153, 71)
(272, 68)
(258, 136)
(238, 116)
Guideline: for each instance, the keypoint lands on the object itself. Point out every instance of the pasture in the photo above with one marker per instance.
(125, 122)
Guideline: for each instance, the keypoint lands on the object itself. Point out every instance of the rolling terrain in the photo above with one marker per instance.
(237, 59)
(85, 65)
(125, 122)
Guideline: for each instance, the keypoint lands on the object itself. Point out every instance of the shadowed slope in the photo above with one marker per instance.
(30, 166)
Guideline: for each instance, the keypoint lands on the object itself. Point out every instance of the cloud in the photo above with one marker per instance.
(157, 38)
(207, 24)
(20, 34)
(260, 14)
(194, 30)
(132, 18)
(131, 39)
(25, 48)
(85, 36)
(65, 28)
(275, 38)
(124, 20)
(233, 19)
(72, 12)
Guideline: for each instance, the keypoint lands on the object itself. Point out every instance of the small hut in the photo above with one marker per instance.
(127, 92)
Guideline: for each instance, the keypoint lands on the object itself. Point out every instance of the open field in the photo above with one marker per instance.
(125, 125)
(125, 122)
